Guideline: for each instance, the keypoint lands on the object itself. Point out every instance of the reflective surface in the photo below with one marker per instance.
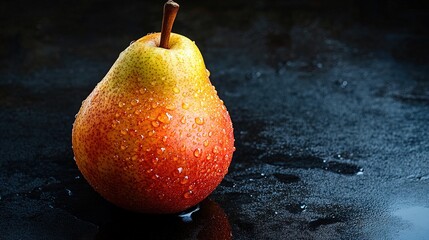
(329, 100)
(416, 218)
(206, 221)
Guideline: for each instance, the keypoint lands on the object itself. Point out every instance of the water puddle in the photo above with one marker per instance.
(417, 222)
(187, 215)
(286, 178)
(315, 224)
(296, 208)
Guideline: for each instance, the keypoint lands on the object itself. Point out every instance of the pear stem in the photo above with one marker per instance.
(170, 11)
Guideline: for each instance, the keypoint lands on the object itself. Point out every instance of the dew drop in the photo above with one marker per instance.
(152, 116)
(208, 73)
(183, 120)
(117, 115)
(194, 125)
(155, 124)
(216, 149)
(199, 120)
(164, 139)
(161, 196)
(134, 102)
(69, 192)
(185, 105)
(184, 180)
(176, 90)
(197, 152)
(206, 143)
(209, 156)
(123, 147)
(154, 104)
(123, 132)
(142, 90)
(151, 133)
(121, 104)
(210, 134)
(165, 117)
(188, 194)
(170, 106)
(160, 150)
(179, 170)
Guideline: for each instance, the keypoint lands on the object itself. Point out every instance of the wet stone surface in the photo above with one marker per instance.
(330, 105)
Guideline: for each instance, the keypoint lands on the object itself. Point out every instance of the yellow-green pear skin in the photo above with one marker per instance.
(153, 136)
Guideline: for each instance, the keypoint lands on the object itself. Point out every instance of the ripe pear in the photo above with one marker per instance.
(153, 136)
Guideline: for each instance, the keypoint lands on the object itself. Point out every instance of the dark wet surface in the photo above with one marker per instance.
(330, 104)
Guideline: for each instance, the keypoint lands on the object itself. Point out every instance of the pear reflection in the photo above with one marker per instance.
(206, 221)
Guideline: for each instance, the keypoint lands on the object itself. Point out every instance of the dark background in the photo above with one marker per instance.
(329, 100)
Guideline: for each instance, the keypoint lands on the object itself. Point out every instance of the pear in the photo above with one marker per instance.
(153, 136)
